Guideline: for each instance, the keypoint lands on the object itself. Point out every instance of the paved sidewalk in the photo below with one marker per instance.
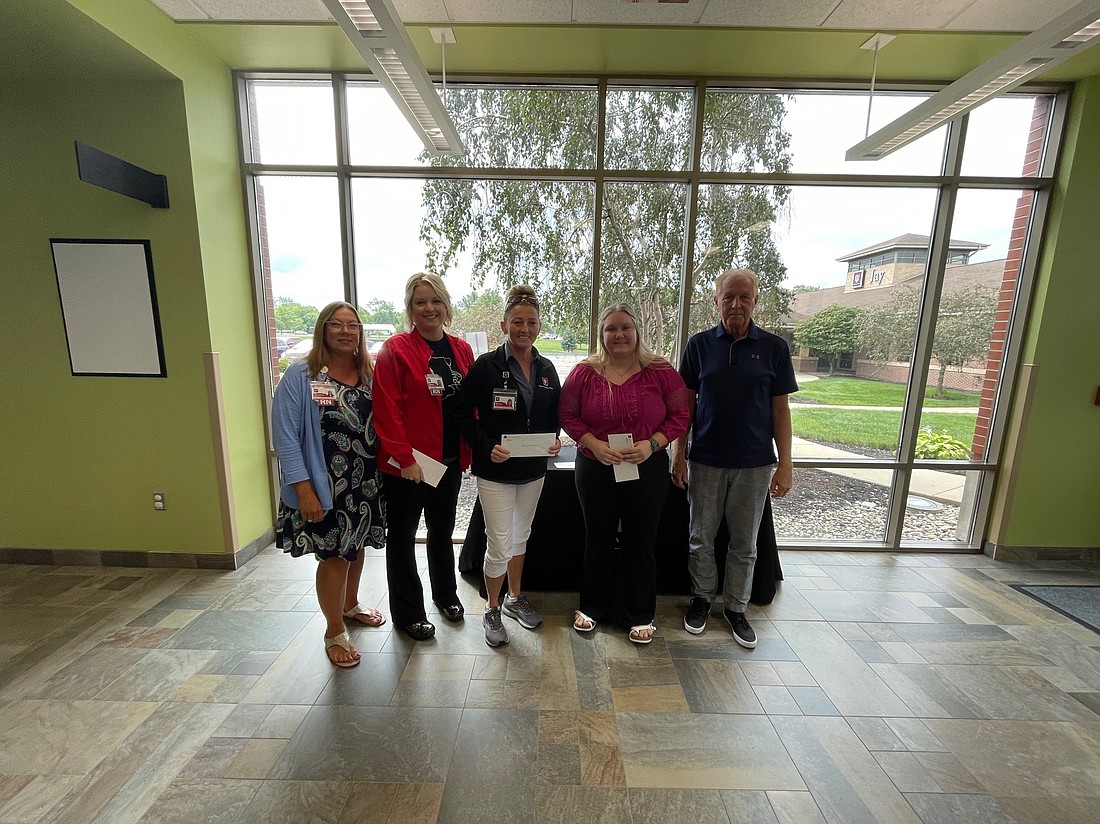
(945, 487)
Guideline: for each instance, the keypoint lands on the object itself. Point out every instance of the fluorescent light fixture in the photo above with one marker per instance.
(379, 36)
(1062, 38)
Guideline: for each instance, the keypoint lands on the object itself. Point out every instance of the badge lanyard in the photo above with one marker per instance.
(505, 399)
(323, 391)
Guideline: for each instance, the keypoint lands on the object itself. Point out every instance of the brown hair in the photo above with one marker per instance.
(317, 359)
(520, 295)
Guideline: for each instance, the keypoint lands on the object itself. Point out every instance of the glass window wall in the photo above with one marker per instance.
(846, 254)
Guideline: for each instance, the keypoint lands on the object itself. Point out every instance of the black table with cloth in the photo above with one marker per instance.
(555, 549)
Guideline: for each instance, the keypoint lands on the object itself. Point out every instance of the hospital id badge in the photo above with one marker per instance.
(504, 400)
(435, 383)
(323, 392)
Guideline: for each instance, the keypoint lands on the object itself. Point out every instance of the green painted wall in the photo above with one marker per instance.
(210, 111)
(82, 455)
(1057, 496)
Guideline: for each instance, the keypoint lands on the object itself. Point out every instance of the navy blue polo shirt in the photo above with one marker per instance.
(735, 381)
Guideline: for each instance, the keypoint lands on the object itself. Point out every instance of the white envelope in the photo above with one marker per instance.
(624, 471)
(433, 470)
(534, 445)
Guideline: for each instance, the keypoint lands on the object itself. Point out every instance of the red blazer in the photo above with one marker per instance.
(406, 414)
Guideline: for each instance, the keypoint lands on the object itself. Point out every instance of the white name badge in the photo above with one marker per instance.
(435, 383)
(324, 392)
(504, 400)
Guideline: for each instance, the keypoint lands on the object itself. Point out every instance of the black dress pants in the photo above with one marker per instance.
(405, 501)
(632, 581)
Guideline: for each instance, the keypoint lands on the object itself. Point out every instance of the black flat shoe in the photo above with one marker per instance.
(420, 631)
(454, 612)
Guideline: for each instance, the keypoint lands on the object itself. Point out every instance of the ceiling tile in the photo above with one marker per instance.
(422, 11)
(181, 10)
(1009, 15)
(805, 14)
(275, 10)
(894, 15)
(622, 13)
(509, 11)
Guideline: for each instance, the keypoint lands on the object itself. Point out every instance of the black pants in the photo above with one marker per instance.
(637, 504)
(405, 501)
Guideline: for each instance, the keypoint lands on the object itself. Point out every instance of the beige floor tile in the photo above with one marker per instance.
(36, 799)
(661, 698)
(1048, 759)
(256, 759)
(704, 752)
(67, 737)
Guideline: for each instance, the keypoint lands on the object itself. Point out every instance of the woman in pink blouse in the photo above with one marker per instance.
(625, 389)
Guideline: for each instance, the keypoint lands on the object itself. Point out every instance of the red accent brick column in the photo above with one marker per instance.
(1009, 280)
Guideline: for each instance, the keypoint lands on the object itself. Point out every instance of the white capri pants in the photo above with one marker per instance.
(509, 510)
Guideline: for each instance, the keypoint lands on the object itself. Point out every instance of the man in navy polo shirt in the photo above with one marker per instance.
(741, 377)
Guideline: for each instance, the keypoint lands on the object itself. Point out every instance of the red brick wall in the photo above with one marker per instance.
(968, 380)
(995, 360)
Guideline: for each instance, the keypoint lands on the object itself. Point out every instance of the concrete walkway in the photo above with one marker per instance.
(945, 487)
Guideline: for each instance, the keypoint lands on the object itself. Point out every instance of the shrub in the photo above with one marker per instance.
(940, 447)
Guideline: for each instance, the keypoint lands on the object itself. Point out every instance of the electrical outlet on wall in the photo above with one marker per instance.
(158, 501)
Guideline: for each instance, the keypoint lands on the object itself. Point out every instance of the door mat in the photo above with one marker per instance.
(1081, 603)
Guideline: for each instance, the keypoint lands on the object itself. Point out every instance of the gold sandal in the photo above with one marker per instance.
(374, 617)
(343, 640)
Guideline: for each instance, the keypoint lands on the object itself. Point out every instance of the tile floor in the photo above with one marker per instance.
(885, 688)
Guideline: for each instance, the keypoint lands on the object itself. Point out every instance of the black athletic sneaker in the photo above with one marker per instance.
(743, 633)
(696, 619)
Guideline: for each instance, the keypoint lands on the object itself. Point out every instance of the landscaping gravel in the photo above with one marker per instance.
(822, 506)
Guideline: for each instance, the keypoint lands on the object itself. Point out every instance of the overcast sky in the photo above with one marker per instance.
(824, 222)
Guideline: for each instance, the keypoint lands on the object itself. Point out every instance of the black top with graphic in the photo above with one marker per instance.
(358, 514)
(442, 363)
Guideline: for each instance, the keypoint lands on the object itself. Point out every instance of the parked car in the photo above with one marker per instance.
(375, 347)
(281, 345)
(298, 350)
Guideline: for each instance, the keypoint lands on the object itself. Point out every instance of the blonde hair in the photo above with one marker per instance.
(317, 359)
(436, 282)
(521, 294)
(748, 274)
(645, 355)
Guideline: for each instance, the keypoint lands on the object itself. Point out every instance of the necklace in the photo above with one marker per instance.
(621, 375)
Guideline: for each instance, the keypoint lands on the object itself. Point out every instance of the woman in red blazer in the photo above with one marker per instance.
(416, 382)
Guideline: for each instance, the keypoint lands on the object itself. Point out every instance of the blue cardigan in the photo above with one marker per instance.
(296, 433)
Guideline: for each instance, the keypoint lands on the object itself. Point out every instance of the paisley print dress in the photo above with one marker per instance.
(358, 514)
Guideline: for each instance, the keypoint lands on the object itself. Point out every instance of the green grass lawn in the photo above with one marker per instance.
(843, 391)
(874, 429)
(544, 345)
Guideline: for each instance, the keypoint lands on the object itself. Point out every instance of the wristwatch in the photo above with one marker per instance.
(654, 446)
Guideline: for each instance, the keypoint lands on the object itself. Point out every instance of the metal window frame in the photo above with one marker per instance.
(947, 183)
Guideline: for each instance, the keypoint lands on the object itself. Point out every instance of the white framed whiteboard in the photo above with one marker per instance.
(109, 306)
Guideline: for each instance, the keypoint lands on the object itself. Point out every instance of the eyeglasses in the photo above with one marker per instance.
(530, 300)
(337, 326)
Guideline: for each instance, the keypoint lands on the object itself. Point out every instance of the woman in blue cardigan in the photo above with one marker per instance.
(331, 497)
